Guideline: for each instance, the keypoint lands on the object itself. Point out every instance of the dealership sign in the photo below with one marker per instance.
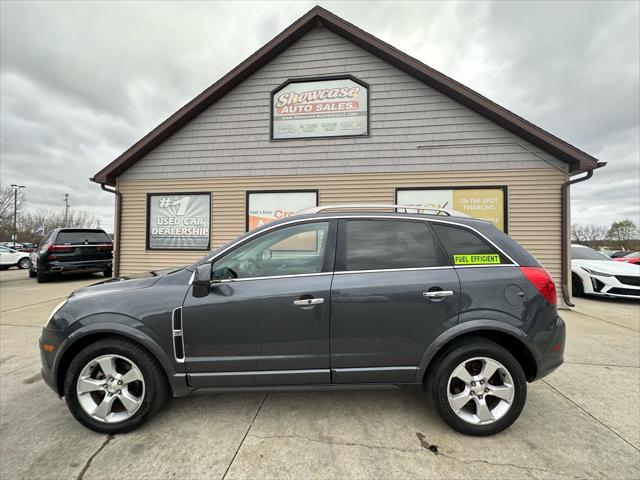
(178, 221)
(320, 108)
(486, 203)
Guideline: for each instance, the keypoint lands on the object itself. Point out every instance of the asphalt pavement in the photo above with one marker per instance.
(583, 421)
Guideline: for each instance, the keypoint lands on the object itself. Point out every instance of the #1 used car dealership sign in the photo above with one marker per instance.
(177, 221)
(320, 108)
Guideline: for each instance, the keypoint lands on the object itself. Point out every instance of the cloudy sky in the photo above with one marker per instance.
(82, 81)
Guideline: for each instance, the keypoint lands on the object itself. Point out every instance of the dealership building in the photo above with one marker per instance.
(326, 113)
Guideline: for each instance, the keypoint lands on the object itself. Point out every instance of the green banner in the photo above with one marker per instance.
(489, 259)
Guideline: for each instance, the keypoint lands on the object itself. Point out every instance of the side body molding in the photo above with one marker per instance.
(470, 326)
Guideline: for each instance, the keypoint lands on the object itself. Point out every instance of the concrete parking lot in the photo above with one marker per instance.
(583, 421)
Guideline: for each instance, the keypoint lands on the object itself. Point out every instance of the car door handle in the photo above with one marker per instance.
(438, 293)
(305, 302)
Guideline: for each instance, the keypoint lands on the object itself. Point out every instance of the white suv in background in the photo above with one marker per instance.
(12, 258)
(596, 274)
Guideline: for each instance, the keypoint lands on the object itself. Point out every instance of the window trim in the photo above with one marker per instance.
(268, 228)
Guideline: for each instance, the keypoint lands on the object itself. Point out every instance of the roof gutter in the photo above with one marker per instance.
(116, 251)
(565, 232)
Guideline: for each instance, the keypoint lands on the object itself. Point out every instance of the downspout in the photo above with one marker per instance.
(116, 253)
(565, 240)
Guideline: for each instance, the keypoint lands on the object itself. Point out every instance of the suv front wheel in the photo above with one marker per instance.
(114, 385)
(478, 387)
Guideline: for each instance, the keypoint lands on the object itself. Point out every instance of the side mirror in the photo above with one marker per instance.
(202, 280)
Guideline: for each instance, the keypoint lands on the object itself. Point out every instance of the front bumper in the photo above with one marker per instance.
(48, 358)
(613, 286)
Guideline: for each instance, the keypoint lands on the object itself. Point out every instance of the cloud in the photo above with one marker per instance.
(82, 81)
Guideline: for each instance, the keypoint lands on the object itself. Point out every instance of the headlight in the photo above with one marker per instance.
(595, 272)
(55, 310)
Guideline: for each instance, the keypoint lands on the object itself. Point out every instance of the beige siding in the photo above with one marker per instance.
(533, 206)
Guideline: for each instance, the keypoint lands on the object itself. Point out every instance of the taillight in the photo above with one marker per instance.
(541, 279)
(107, 247)
(60, 249)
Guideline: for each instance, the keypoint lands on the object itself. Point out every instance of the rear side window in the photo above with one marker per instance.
(83, 236)
(465, 247)
(388, 244)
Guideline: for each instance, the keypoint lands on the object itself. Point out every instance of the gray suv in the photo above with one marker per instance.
(329, 299)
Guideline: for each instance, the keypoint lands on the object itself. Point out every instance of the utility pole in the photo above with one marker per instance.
(66, 208)
(15, 211)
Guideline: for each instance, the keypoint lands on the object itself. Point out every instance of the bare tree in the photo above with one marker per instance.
(590, 234)
(7, 205)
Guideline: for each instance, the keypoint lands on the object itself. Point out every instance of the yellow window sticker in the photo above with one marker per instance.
(489, 259)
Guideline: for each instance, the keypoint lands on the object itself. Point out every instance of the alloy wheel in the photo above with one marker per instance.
(480, 391)
(110, 388)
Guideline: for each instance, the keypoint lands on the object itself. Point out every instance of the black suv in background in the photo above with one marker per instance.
(66, 250)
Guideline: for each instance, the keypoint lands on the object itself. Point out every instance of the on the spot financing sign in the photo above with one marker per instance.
(264, 207)
(483, 203)
(322, 108)
(179, 221)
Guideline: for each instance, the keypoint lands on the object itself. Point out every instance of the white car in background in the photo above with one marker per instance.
(596, 274)
(13, 258)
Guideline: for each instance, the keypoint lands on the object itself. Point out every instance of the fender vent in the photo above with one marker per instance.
(177, 319)
(178, 340)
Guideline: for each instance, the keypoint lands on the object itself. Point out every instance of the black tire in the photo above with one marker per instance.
(156, 386)
(108, 272)
(24, 263)
(448, 361)
(577, 287)
(42, 276)
(32, 273)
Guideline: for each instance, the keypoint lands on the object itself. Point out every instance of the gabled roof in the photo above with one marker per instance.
(578, 160)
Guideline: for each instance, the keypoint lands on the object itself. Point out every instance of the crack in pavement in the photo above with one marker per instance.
(245, 435)
(601, 365)
(31, 304)
(592, 416)
(417, 450)
(19, 368)
(90, 459)
(605, 321)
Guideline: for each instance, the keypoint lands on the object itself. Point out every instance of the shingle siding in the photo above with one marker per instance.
(231, 137)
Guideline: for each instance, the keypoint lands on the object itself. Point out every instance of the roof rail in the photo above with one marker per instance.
(414, 208)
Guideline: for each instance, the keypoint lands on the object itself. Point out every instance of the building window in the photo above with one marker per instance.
(485, 203)
(266, 206)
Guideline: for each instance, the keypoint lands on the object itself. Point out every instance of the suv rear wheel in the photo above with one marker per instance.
(41, 276)
(114, 385)
(478, 387)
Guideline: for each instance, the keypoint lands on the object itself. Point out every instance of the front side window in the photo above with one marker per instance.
(388, 244)
(465, 247)
(295, 250)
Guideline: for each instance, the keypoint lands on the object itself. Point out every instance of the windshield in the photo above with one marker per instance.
(633, 255)
(586, 253)
(82, 236)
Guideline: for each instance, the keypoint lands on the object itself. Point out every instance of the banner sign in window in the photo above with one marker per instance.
(486, 203)
(476, 259)
(321, 108)
(178, 221)
(264, 207)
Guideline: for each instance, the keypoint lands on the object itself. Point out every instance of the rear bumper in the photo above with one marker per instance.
(553, 355)
(82, 266)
